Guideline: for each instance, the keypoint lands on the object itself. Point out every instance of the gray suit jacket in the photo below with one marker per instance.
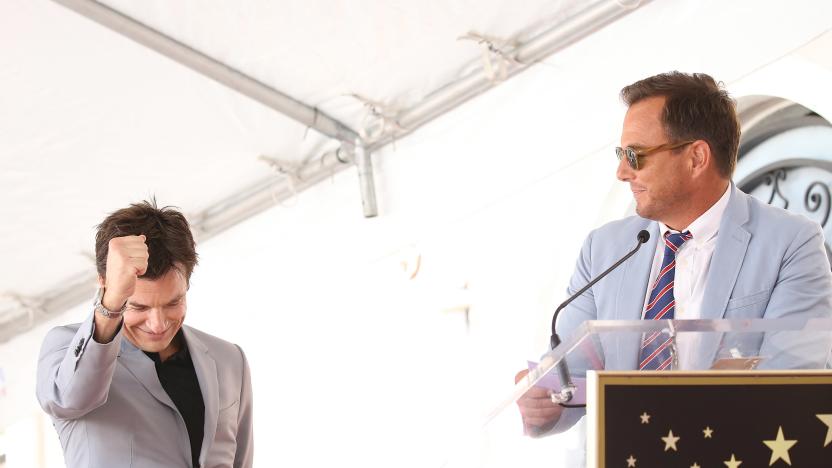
(768, 263)
(110, 409)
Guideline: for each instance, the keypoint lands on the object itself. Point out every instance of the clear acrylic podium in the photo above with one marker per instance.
(797, 350)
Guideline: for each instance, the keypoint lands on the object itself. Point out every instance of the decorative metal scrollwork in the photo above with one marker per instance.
(786, 154)
(771, 179)
(817, 200)
(814, 199)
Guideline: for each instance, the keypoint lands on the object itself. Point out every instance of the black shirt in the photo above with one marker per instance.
(178, 378)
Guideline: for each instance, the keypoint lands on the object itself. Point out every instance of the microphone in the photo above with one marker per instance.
(567, 387)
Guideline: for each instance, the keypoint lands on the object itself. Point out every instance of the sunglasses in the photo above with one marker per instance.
(634, 155)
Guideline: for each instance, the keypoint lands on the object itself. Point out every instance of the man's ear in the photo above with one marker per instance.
(101, 281)
(701, 156)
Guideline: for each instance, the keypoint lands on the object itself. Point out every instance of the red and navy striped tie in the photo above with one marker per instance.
(655, 349)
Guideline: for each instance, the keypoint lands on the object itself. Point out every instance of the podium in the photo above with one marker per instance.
(740, 393)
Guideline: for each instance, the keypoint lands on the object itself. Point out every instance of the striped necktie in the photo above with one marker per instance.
(655, 351)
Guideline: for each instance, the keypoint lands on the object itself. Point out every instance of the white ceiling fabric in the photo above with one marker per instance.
(90, 120)
(89, 117)
(393, 52)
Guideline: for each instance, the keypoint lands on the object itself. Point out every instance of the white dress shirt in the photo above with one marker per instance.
(693, 260)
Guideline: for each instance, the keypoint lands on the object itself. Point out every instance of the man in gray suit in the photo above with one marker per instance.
(714, 252)
(132, 386)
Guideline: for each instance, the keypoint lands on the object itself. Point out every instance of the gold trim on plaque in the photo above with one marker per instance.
(674, 378)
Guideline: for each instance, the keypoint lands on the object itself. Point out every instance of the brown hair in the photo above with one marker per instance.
(170, 243)
(696, 108)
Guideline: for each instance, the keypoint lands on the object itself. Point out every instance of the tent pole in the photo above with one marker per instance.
(364, 164)
(214, 69)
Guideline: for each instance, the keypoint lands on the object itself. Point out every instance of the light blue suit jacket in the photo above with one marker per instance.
(768, 263)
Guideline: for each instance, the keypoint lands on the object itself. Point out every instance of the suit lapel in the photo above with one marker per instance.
(731, 246)
(630, 300)
(206, 373)
(144, 370)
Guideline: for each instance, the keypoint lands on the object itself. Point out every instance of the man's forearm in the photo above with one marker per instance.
(106, 328)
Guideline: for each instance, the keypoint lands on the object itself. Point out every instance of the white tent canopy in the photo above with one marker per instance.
(92, 117)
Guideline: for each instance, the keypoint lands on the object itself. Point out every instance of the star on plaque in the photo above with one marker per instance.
(826, 419)
(733, 462)
(780, 447)
(645, 418)
(631, 462)
(670, 441)
(708, 432)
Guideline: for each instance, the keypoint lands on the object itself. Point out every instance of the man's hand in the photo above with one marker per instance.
(536, 407)
(126, 261)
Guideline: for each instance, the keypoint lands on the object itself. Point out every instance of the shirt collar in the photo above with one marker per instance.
(706, 226)
(181, 354)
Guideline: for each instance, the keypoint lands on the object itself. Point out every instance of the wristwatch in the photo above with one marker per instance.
(100, 309)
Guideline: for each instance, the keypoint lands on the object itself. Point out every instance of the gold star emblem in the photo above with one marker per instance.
(708, 432)
(780, 447)
(733, 462)
(645, 418)
(826, 419)
(631, 462)
(695, 465)
(670, 441)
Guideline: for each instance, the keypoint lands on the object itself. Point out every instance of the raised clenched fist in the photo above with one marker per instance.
(126, 261)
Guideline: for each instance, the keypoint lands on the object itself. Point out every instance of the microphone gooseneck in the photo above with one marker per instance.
(567, 388)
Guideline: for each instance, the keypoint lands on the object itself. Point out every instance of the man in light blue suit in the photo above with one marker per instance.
(714, 252)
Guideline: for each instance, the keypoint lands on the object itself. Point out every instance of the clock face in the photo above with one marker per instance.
(785, 160)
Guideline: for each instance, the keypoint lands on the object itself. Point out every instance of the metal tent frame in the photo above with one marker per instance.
(353, 148)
